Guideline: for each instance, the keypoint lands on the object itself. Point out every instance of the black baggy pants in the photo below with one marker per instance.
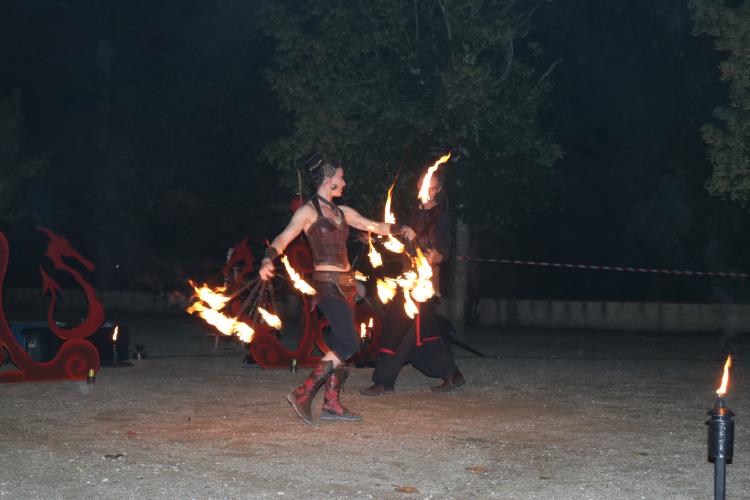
(398, 344)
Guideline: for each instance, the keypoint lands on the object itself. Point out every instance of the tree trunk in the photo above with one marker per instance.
(460, 277)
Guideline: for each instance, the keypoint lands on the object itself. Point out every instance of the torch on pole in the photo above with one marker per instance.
(721, 435)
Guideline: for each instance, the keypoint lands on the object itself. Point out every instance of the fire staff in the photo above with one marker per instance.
(327, 228)
(420, 341)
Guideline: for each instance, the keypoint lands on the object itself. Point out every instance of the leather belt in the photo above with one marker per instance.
(345, 278)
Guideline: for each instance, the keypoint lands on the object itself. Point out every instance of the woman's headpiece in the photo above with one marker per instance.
(319, 166)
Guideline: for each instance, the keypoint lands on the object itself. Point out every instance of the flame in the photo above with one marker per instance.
(424, 194)
(359, 276)
(394, 245)
(215, 300)
(389, 217)
(416, 284)
(386, 290)
(226, 325)
(409, 306)
(272, 320)
(114, 334)
(725, 378)
(375, 259)
(363, 329)
(297, 281)
(244, 332)
(423, 289)
(212, 297)
(371, 323)
(407, 280)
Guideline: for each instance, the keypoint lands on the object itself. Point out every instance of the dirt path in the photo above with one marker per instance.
(553, 415)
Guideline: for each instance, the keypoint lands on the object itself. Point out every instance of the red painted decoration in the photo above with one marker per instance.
(77, 355)
(241, 253)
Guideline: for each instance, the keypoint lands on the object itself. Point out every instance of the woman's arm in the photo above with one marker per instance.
(300, 220)
(358, 221)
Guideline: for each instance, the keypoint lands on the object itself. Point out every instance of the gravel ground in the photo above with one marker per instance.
(548, 415)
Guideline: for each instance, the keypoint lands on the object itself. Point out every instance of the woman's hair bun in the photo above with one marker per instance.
(320, 166)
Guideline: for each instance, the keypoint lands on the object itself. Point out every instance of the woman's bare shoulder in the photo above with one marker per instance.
(305, 210)
(347, 210)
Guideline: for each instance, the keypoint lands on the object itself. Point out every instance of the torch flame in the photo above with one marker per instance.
(386, 290)
(226, 325)
(370, 324)
(407, 280)
(725, 378)
(424, 194)
(297, 281)
(212, 297)
(423, 289)
(363, 329)
(409, 306)
(416, 284)
(389, 217)
(359, 276)
(272, 320)
(244, 332)
(114, 334)
(375, 259)
(393, 244)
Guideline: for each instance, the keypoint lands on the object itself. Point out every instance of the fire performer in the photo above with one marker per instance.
(326, 226)
(401, 342)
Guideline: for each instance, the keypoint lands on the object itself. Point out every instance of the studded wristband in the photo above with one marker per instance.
(271, 254)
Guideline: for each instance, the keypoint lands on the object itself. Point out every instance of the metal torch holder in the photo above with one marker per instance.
(720, 444)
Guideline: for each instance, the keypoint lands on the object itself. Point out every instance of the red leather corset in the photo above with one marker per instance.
(328, 239)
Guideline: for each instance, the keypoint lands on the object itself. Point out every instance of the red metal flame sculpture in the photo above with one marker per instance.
(241, 254)
(76, 355)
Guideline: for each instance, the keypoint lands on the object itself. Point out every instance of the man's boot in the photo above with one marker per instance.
(301, 398)
(453, 381)
(332, 407)
(377, 390)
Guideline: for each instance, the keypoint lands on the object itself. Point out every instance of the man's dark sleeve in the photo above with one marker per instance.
(441, 238)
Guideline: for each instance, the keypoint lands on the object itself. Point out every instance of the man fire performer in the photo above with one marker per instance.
(326, 226)
(421, 340)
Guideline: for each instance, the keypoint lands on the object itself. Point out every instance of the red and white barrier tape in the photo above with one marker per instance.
(676, 272)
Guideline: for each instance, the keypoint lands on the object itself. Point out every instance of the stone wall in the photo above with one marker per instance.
(640, 316)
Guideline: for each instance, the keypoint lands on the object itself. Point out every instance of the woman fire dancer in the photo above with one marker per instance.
(327, 228)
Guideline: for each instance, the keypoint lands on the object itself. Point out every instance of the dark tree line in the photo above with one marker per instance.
(153, 116)
(156, 134)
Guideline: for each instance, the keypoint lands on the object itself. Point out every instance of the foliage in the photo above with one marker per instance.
(729, 141)
(389, 86)
(17, 166)
(155, 113)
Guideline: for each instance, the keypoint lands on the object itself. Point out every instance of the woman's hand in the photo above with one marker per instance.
(267, 269)
(408, 233)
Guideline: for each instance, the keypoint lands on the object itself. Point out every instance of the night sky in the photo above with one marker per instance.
(140, 131)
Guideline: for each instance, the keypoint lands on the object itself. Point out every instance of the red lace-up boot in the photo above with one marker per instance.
(301, 398)
(332, 407)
